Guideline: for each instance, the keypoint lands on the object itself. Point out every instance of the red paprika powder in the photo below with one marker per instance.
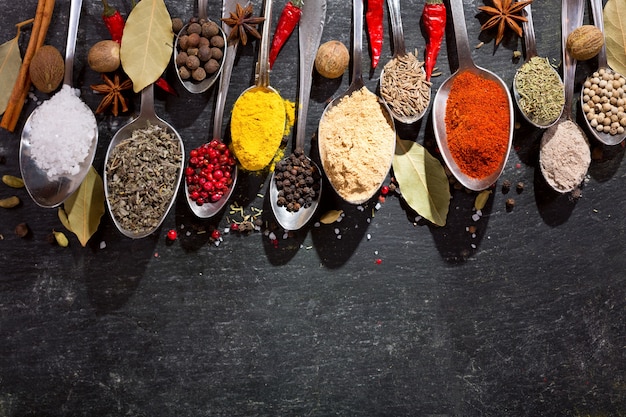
(477, 124)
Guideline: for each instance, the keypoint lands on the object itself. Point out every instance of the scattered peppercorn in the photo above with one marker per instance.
(506, 186)
(215, 234)
(297, 181)
(519, 187)
(22, 230)
(172, 235)
(510, 203)
(384, 190)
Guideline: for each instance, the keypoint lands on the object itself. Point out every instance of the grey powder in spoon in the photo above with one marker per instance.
(565, 156)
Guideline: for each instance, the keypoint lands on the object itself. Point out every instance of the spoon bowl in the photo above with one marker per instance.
(356, 85)
(441, 98)
(50, 191)
(310, 34)
(571, 17)
(210, 209)
(198, 87)
(399, 52)
(530, 43)
(604, 137)
(147, 117)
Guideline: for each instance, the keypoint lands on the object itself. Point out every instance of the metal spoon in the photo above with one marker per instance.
(310, 33)
(209, 209)
(357, 84)
(530, 44)
(262, 74)
(201, 86)
(598, 19)
(439, 104)
(147, 116)
(45, 191)
(400, 51)
(571, 17)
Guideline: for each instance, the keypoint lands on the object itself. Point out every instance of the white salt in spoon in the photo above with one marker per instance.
(47, 191)
(356, 85)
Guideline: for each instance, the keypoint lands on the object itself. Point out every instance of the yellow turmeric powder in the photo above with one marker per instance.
(257, 127)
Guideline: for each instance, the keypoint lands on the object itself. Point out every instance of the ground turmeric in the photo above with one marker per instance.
(257, 127)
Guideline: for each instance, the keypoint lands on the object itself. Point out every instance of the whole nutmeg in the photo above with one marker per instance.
(332, 59)
(104, 56)
(584, 42)
(47, 69)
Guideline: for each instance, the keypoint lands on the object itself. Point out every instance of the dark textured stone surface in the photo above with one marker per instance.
(526, 318)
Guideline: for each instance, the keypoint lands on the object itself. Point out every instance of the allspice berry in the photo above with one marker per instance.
(47, 69)
(332, 59)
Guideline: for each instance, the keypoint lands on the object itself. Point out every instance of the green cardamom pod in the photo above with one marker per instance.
(9, 202)
(61, 239)
(481, 199)
(12, 181)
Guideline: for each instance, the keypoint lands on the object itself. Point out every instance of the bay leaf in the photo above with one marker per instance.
(615, 34)
(85, 207)
(64, 220)
(331, 216)
(422, 180)
(10, 63)
(147, 43)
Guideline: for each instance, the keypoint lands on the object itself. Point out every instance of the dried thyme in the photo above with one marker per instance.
(141, 176)
(404, 86)
(541, 91)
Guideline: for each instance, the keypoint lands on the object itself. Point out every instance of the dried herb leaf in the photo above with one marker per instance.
(147, 43)
(85, 207)
(615, 34)
(64, 220)
(422, 180)
(10, 63)
(331, 216)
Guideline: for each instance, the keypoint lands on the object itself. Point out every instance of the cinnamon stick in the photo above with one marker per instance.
(43, 16)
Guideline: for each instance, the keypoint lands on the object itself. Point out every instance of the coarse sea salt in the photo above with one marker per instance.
(63, 129)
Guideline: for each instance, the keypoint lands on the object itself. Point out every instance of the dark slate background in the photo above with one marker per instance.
(526, 318)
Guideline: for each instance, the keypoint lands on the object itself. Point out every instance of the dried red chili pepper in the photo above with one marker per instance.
(374, 19)
(287, 22)
(113, 21)
(165, 86)
(434, 18)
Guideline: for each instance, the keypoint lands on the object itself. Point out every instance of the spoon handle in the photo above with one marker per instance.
(309, 33)
(357, 43)
(395, 18)
(263, 65)
(202, 9)
(460, 35)
(146, 112)
(571, 17)
(598, 20)
(530, 42)
(70, 48)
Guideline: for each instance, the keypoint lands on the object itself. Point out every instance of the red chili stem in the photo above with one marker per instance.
(114, 21)
(289, 18)
(434, 18)
(374, 19)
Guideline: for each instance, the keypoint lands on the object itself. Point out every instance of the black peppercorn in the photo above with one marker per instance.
(519, 187)
(510, 203)
(506, 186)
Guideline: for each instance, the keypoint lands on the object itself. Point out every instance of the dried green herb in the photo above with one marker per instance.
(541, 91)
(423, 181)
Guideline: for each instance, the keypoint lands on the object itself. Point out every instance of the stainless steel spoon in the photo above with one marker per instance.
(530, 44)
(45, 191)
(262, 82)
(439, 104)
(147, 116)
(209, 209)
(310, 33)
(598, 19)
(356, 85)
(399, 50)
(201, 86)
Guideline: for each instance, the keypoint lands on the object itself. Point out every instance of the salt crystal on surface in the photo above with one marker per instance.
(63, 129)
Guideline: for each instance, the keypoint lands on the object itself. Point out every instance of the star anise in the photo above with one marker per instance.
(505, 13)
(242, 23)
(113, 90)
